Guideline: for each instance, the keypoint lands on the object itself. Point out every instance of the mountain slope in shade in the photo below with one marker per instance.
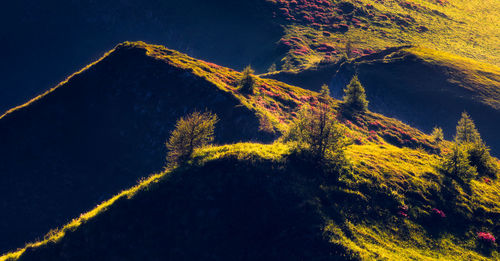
(419, 86)
(250, 201)
(98, 132)
(57, 38)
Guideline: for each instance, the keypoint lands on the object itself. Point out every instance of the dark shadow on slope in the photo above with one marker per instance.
(419, 94)
(44, 41)
(409, 89)
(227, 210)
(98, 133)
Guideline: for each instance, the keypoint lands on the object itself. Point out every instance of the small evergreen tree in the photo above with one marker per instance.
(478, 153)
(272, 68)
(457, 165)
(193, 131)
(324, 92)
(479, 157)
(466, 130)
(355, 96)
(317, 131)
(437, 134)
(247, 80)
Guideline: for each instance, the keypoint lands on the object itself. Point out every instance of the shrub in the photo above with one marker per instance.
(247, 81)
(437, 134)
(317, 131)
(193, 131)
(324, 93)
(272, 68)
(355, 96)
(480, 158)
(456, 164)
(438, 213)
(487, 238)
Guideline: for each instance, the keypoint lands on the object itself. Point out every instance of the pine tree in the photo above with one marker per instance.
(355, 96)
(479, 157)
(324, 92)
(193, 131)
(272, 68)
(437, 134)
(457, 164)
(247, 80)
(478, 153)
(466, 130)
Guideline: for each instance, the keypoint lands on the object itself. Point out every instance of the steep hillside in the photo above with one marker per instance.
(261, 202)
(102, 129)
(320, 30)
(291, 34)
(419, 86)
(57, 38)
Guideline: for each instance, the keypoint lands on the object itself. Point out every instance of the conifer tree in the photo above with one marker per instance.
(193, 131)
(466, 130)
(469, 140)
(457, 164)
(437, 134)
(324, 92)
(355, 96)
(247, 80)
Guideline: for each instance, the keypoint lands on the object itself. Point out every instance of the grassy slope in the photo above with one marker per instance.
(125, 104)
(420, 86)
(393, 166)
(464, 28)
(384, 178)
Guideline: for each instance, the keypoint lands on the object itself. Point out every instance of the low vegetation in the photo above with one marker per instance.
(191, 132)
(359, 187)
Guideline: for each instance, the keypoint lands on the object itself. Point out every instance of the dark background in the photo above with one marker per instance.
(43, 42)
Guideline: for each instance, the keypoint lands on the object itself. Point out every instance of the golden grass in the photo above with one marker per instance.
(465, 28)
(386, 167)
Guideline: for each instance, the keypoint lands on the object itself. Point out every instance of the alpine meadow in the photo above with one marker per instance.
(250, 130)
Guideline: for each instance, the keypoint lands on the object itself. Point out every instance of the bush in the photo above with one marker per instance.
(316, 130)
(456, 164)
(437, 134)
(247, 81)
(324, 93)
(480, 158)
(193, 131)
(355, 97)
(486, 238)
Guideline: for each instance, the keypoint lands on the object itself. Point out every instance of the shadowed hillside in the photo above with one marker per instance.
(97, 133)
(105, 127)
(419, 86)
(264, 202)
(55, 38)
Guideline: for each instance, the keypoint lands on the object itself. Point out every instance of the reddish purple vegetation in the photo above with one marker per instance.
(403, 211)
(438, 213)
(318, 13)
(486, 237)
(377, 125)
